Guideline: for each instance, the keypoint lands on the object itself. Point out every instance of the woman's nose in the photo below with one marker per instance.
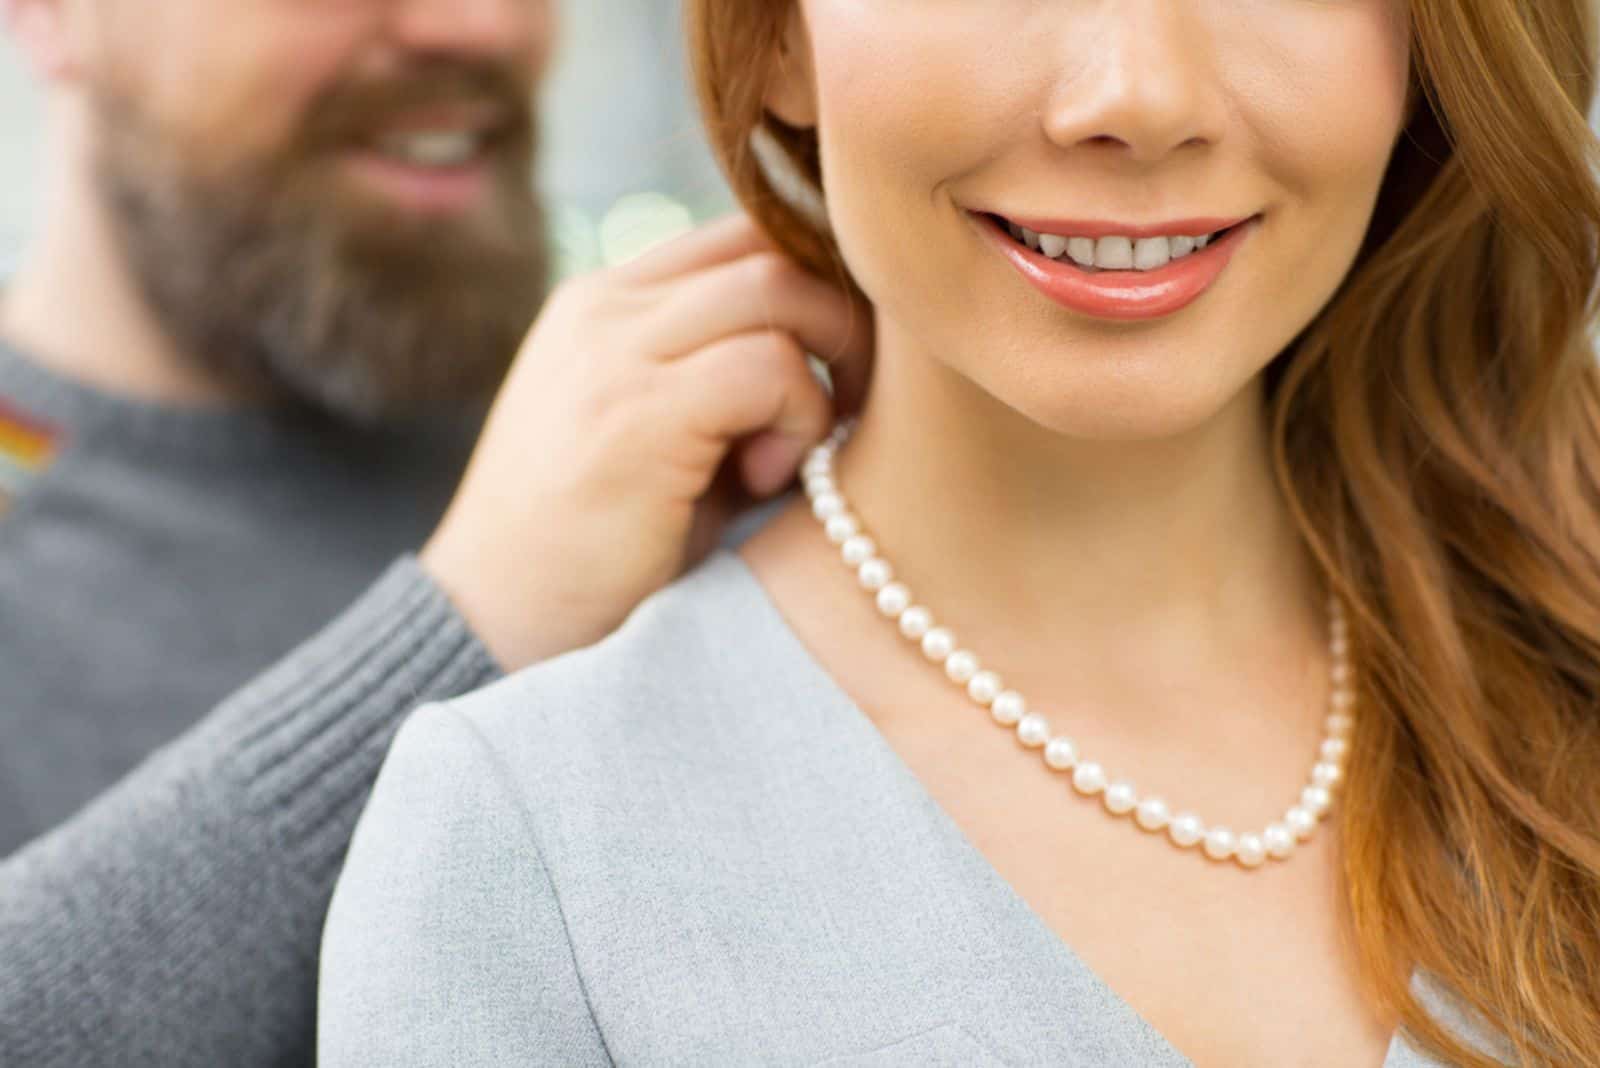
(1138, 80)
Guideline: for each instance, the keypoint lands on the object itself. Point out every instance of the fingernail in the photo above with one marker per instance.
(770, 461)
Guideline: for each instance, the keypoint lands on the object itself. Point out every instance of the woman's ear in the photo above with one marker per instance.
(792, 90)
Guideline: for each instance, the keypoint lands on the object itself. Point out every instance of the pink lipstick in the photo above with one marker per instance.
(1124, 294)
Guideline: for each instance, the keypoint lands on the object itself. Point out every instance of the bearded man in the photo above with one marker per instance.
(291, 249)
(290, 252)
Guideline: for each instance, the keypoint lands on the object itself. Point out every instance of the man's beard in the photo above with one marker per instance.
(278, 279)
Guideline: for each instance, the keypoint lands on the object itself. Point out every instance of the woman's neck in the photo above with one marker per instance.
(1177, 552)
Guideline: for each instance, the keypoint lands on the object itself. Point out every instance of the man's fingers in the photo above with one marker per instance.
(719, 241)
(760, 292)
(757, 385)
(768, 462)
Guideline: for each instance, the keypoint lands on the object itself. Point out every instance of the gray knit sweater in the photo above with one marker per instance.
(153, 563)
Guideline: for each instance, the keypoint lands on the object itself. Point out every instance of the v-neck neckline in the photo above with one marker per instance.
(1398, 1054)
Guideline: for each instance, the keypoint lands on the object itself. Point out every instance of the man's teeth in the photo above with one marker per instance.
(1111, 253)
(433, 148)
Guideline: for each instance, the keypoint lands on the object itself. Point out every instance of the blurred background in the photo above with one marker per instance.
(623, 161)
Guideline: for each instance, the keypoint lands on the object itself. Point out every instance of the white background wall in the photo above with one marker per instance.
(618, 122)
(21, 127)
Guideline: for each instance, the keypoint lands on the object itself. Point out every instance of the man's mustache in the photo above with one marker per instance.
(352, 112)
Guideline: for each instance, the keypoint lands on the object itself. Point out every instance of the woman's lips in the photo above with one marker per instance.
(1112, 294)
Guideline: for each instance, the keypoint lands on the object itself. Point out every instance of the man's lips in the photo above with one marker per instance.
(430, 189)
(440, 159)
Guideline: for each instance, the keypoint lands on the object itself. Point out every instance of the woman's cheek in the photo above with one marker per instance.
(897, 126)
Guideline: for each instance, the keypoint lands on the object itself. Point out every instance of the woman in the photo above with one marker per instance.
(1233, 402)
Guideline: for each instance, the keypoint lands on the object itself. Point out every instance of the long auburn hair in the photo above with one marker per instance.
(1436, 432)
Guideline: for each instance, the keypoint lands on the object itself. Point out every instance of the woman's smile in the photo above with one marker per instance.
(1114, 270)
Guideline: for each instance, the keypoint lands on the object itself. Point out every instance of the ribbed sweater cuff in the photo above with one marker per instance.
(307, 739)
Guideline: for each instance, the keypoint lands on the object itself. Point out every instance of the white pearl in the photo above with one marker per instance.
(1301, 821)
(915, 622)
(1088, 778)
(938, 644)
(1033, 730)
(875, 574)
(841, 528)
(1061, 753)
(985, 687)
(1152, 814)
(858, 550)
(1219, 843)
(1186, 829)
(960, 667)
(1279, 840)
(1250, 850)
(1121, 798)
(827, 505)
(894, 599)
(1326, 774)
(1009, 708)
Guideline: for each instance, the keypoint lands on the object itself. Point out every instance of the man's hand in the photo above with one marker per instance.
(650, 403)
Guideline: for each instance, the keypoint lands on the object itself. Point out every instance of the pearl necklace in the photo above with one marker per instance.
(1009, 709)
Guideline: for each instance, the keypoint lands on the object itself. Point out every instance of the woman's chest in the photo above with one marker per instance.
(816, 905)
(814, 911)
(1233, 966)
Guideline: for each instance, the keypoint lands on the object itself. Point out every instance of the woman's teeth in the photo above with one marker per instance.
(1111, 253)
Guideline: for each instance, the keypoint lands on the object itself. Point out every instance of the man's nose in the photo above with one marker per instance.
(504, 29)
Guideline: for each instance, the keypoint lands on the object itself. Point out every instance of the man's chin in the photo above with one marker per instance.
(366, 288)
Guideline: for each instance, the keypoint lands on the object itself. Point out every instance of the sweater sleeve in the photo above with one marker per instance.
(445, 944)
(175, 920)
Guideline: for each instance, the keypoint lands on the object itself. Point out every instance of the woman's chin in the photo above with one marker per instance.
(1123, 414)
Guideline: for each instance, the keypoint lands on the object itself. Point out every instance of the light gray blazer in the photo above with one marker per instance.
(686, 846)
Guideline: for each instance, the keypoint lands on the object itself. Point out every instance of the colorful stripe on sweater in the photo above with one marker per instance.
(27, 445)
